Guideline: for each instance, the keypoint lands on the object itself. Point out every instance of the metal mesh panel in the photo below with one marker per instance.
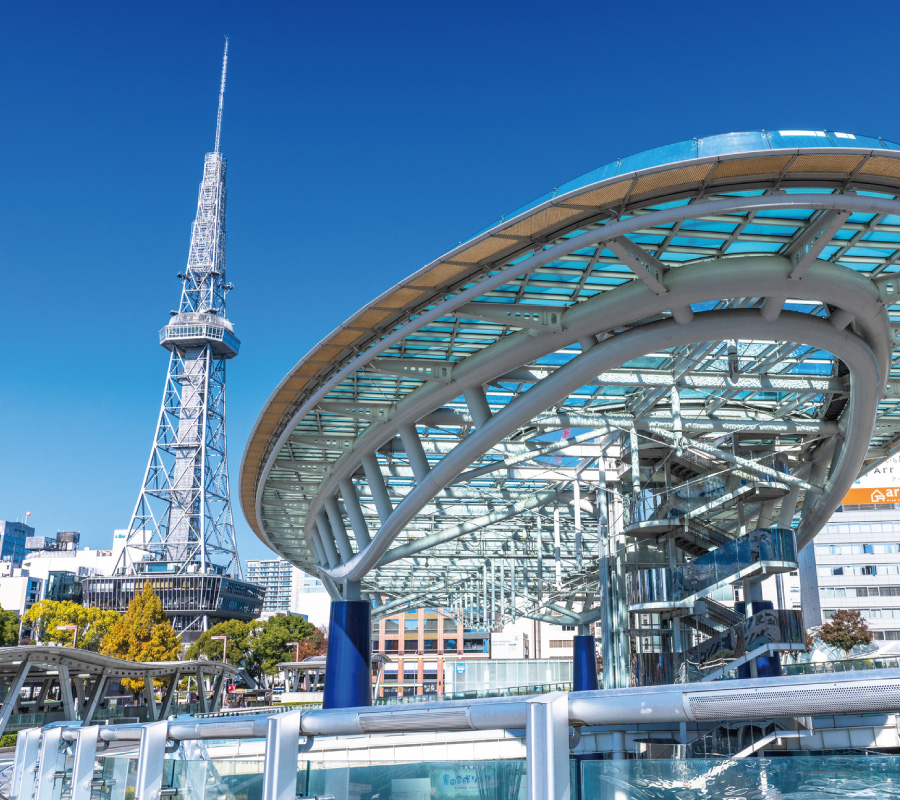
(443, 719)
(550, 217)
(437, 275)
(482, 249)
(845, 699)
(825, 163)
(769, 165)
(881, 165)
(672, 177)
(602, 196)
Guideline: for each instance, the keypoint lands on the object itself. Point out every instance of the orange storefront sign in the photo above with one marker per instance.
(870, 495)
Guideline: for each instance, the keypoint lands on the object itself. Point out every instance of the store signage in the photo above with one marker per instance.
(879, 485)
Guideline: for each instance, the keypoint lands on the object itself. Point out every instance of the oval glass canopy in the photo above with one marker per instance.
(671, 352)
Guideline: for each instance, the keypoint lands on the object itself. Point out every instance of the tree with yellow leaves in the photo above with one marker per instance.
(143, 633)
(94, 624)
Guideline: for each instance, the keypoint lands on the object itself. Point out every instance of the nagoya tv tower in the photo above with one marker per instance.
(181, 535)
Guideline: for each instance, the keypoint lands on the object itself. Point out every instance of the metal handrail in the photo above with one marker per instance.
(843, 665)
(544, 718)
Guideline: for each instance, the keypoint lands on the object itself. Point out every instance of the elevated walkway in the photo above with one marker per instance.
(45, 684)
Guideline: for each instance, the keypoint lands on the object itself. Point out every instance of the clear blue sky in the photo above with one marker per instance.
(364, 139)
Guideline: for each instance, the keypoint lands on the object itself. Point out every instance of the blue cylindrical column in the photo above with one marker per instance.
(348, 677)
(766, 666)
(584, 673)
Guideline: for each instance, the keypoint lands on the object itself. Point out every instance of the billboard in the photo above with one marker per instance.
(879, 485)
(508, 645)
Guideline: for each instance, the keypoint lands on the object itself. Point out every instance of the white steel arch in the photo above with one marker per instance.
(692, 348)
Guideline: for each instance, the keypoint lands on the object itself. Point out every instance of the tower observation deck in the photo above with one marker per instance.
(181, 534)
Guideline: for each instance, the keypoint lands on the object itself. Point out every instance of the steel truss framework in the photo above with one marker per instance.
(183, 513)
(699, 340)
(182, 521)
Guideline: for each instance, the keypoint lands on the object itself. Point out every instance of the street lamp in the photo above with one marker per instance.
(296, 646)
(224, 640)
(70, 628)
(224, 647)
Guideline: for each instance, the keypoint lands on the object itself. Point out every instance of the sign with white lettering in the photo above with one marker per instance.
(879, 485)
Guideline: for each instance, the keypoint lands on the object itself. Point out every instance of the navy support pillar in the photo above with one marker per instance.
(766, 666)
(348, 674)
(584, 673)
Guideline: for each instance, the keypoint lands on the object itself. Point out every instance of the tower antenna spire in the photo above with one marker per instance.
(221, 96)
(182, 522)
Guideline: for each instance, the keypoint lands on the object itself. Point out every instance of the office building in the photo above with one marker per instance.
(419, 643)
(12, 541)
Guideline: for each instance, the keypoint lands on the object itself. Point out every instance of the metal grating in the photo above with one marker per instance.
(796, 702)
(452, 719)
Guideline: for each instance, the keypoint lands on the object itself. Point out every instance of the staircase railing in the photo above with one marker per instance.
(671, 587)
(766, 632)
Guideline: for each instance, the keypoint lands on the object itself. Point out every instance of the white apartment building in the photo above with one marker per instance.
(544, 640)
(84, 563)
(276, 575)
(855, 565)
(310, 599)
(289, 590)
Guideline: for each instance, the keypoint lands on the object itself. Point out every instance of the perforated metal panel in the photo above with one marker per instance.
(450, 719)
(841, 699)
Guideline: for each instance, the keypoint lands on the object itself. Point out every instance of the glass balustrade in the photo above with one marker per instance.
(847, 665)
(797, 778)
(794, 777)
(672, 585)
(765, 628)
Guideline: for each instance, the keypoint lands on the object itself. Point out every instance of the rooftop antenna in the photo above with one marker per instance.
(221, 95)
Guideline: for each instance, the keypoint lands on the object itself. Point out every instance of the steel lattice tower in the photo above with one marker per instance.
(182, 522)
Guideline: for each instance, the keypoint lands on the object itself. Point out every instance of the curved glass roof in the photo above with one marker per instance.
(721, 144)
(633, 225)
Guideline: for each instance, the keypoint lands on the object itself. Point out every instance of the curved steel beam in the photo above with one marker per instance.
(865, 382)
(610, 230)
(737, 276)
(449, 534)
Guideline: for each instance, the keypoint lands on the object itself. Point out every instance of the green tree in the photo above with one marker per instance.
(241, 645)
(9, 628)
(94, 624)
(272, 641)
(844, 631)
(143, 633)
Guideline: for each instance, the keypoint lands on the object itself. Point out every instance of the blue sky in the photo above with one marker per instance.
(363, 140)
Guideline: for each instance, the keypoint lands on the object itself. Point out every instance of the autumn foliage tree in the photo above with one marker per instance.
(241, 643)
(272, 641)
(144, 634)
(844, 631)
(258, 647)
(94, 624)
